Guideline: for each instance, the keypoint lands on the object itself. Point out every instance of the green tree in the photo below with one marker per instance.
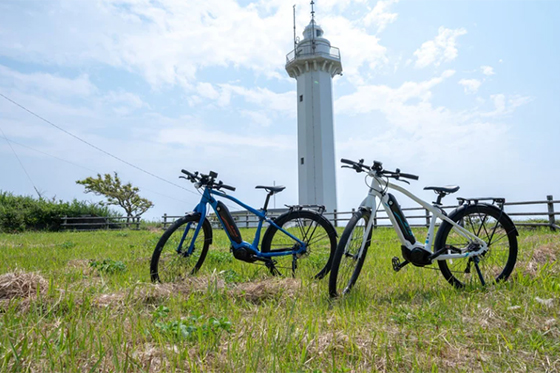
(118, 194)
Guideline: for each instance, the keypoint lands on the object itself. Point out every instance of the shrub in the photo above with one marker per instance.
(19, 213)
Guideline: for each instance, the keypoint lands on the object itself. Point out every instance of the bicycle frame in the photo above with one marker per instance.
(208, 198)
(378, 189)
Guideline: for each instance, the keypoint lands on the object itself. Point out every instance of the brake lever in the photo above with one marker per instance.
(183, 177)
(346, 167)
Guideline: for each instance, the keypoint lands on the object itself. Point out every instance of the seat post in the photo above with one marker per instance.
(266, 201)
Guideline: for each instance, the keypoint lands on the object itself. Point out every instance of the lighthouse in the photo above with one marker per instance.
(314, 63)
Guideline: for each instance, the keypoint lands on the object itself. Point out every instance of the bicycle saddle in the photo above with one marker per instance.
(271, 189)
(447, 189)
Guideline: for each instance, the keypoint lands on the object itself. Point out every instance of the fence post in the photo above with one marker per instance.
(335, 218)
(427, 218)
(375, 219)
(164, 220)
(551, 220)
(138, 222)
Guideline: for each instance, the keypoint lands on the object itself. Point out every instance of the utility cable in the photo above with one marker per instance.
(84, 167)
(21, 164)
(93, 146)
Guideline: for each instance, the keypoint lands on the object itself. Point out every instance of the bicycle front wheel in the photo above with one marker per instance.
(491, 225)
(171, 260)
(349, 256)
(309, 227)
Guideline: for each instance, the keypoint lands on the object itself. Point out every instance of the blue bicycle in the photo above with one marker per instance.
(300, 239)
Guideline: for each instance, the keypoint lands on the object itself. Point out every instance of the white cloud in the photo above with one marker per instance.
(357, 47)
(167, 42)
(170, 42)
(380, 15)
(368, 98)
(262, 97)
(470, 85)
(47, 83)
(442, 49)
(124, 103)
(487, 70)
(257, 117)
(504, 106)
(194, 136)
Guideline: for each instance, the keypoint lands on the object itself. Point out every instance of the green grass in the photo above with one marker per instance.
(99, 313)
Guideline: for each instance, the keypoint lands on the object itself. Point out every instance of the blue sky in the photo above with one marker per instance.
(458, 92)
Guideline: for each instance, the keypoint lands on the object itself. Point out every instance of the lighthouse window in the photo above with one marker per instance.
(300, 98)
(319, 33)
(301, 160)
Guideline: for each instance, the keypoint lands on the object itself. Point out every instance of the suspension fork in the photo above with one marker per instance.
(367, 231)
(200, 213)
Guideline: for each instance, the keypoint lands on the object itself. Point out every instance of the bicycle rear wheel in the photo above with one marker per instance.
(496, 229)
(171, 260)
(310, 227)
(348, 261)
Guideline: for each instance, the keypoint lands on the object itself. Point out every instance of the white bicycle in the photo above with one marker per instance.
(476, 234)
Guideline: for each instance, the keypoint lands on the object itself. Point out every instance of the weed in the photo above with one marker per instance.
(190, 328)
(67, 245)
(108, 266)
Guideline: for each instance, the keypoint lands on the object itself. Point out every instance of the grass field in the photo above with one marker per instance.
(82, 302)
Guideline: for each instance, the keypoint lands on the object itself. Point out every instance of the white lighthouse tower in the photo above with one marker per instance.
(314, 63)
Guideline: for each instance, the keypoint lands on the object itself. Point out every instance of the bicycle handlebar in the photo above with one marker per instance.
(377, 167)
(207, 180)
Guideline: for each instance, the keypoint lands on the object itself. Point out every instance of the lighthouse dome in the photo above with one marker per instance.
(311, 28)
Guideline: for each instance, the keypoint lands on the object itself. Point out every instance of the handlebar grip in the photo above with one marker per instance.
(347, 161)
(409, 176)
(228, 187)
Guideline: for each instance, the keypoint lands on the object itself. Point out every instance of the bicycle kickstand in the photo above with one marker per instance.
(476, 260)
(270, 265)
(397, 265)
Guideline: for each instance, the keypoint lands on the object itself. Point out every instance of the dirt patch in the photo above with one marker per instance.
(157, 293)
(21, 284)
(257, 292)
(254, 292)
(543, 254)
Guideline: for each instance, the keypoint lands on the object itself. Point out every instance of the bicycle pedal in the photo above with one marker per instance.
(397, 264)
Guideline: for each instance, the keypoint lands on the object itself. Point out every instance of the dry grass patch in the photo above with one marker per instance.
(20, 284)
(258, 292)
(254, 292)
(542, 255)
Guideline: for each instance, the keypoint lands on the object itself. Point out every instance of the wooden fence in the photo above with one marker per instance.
(88, 223)
(417, 216)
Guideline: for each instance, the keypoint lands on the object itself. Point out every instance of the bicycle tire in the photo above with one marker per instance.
(313, 229)
(344, 274)
(489, 223)
(169, 261)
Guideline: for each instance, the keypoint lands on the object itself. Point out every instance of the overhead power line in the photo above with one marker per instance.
(81, 166)
(20, 163)
(94, 146)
